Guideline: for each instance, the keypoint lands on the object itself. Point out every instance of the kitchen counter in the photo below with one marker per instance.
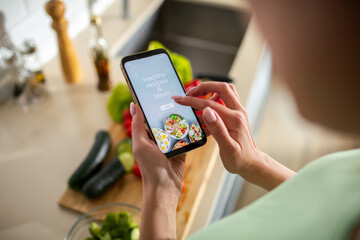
(40, 149)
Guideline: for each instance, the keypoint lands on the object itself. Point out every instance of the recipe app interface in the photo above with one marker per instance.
(154, 82)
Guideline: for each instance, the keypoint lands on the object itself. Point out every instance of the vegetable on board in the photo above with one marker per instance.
(92, 162)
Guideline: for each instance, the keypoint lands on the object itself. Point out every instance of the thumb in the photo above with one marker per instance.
(217, 128)
(137, 126)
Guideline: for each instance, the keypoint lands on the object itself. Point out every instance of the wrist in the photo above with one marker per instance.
(267, 173)
(160, 195)
(159, 187)
(158, 217)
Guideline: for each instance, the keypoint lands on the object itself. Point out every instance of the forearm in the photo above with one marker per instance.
(267, 173)
(158, 215)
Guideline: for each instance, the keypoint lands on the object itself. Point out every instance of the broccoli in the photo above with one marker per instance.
(118, 226)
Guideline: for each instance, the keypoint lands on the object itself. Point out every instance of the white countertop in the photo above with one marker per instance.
(39, 149)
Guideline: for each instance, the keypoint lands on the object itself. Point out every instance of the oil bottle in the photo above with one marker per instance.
(99, 52)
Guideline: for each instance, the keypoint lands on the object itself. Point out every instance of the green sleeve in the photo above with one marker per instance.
(321, 202)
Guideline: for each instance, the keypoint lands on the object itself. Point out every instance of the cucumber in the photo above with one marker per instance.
(127, 160)
(104, 179)
(124, 146)
(92, 162)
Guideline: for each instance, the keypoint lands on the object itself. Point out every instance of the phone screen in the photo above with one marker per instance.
(153, 79)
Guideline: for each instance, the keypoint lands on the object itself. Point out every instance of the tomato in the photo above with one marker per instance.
(127, 114)
(136, 171)
(188, 87)
(127, 123)
(128, 132)
(199, 113)
(183, 130)
(196, 82)
(221, 102)
(192, 84)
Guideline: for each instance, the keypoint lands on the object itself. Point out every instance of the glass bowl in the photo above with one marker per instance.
(80, 230)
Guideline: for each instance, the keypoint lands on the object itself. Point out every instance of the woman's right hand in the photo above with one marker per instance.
(230, 127)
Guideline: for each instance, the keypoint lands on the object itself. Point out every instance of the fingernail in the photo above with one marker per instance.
(132, 109)
(176, 97)
(209, 115)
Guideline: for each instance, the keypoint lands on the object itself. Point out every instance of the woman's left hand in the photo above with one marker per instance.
(162, 182)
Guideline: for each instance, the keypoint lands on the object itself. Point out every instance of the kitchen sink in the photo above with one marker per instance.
(209, 35)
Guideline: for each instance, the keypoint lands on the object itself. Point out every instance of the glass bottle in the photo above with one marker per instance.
(32, 64)
(13, 72)
(99, 52)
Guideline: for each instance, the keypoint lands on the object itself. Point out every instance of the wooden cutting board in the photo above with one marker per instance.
(128, 189)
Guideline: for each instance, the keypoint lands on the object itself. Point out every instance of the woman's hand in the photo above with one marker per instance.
(230, 127)
(162, 182)
(156, 169)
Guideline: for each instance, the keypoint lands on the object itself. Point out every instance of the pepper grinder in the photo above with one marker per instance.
(69, 61)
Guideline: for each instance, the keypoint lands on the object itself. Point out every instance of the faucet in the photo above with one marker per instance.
(124, 8)
(90, 4)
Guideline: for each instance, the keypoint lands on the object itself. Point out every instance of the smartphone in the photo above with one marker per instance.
(152, 79)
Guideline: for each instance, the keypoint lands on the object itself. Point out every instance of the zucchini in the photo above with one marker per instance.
(104, 179)
(127, 161)
(124, 153)
(92, 162)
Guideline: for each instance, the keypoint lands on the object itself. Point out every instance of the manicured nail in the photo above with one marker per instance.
(209, 115)
(132, 109)
(176, 97)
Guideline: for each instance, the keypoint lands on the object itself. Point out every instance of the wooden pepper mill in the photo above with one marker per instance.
(69, 61)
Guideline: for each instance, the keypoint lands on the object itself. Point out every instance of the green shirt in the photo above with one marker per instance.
(321, 202)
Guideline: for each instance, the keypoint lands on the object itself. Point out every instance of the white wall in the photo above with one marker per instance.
(28, 19)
